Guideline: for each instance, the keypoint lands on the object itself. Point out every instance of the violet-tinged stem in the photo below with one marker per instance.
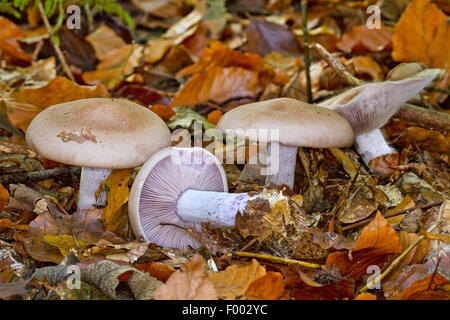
(90, 181)
(218, 208)
(282, 164)
(372, 145)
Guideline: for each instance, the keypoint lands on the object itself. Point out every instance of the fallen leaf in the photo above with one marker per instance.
(115, 65)
(427, 289)
(234, 281)
(264, 37)
(189, 283)
(22, 106)
(268, 287)
(377, 241)
(422, 35)
(363, 39)
(164, 112)
(104, 40)
(83, 224)
(115, 214)
(214, 116)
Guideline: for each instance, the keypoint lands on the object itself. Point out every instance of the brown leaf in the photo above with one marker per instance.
(263, 37)
(22, 106)
(219, 85)
(83, 224)
(189, 283)
(268, 287)
(426, 289)
(377, 241)
(115, 65)
(422, 35)
(337, 290)
(363, 39)
(9, 46)
(104, 40)
(234, 281)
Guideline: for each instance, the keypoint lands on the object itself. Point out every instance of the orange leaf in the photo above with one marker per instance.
(366, 296)
(234, 281)
(24, 105)
(426, 289)
(268, 287)
(189, 283)
(9, 33)
(423, 34)
(115, 64)
(214, 116)
(377, 241)
(363, 39)
(4, 196)
(218, 84)
(160, 271)
(220, 55)
(164, 112)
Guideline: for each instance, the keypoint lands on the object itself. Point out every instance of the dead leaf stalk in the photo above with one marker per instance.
(278, 259)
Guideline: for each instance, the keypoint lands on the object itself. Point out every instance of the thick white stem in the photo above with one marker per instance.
(372, 145)
(219, 208)
(282, 164)
(90, 181)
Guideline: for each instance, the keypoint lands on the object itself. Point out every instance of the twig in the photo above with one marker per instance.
(424, 117)
(390, 215)
(58, 51)
(305, 45)
(397, 261)
(408, 112)
(36, 175)
(337, 66)
(278, 259)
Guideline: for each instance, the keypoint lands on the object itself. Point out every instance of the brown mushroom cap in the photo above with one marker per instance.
(98, 133)
(299, 123)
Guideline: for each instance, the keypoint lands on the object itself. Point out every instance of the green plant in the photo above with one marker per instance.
(52, 7)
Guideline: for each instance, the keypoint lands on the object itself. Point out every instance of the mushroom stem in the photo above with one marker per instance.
(218, 208)
(90, 181)
(286, 157)
(371, 145)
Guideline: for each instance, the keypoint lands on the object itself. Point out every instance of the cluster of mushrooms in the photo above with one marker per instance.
(183, 187)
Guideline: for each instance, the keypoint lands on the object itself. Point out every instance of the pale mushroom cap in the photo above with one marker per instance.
(98, 133)
(157, 187)
(299, 123)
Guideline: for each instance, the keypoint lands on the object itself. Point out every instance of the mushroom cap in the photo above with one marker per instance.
(298, 123)
(98, 133)
(157, 187)
(370, 106)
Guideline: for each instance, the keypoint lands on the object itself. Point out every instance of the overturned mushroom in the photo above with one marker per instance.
(178, 189)
(99, 135)
(370, 106)
(297, 124)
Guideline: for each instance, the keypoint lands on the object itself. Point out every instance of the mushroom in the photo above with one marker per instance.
(97, 134)
(296, 124)
(370, 106)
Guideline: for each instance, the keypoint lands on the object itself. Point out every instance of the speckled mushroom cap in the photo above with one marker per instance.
(299, 123)
(98, 133)
(158, 186)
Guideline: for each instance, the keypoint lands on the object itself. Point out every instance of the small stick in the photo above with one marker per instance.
(278, 259)
(390, 215)
(58, 51)
(408, 112)
(337, 66)
(397, 261)
(424, 117)
(36, 175)
(307, 59)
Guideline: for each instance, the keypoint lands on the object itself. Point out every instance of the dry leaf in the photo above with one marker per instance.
(422, 35)
(377, 241)
(22, 106)
(115, 214)
(104, 40)
(268, 287)
(189, 283)
(234, 281)
(363, 39)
